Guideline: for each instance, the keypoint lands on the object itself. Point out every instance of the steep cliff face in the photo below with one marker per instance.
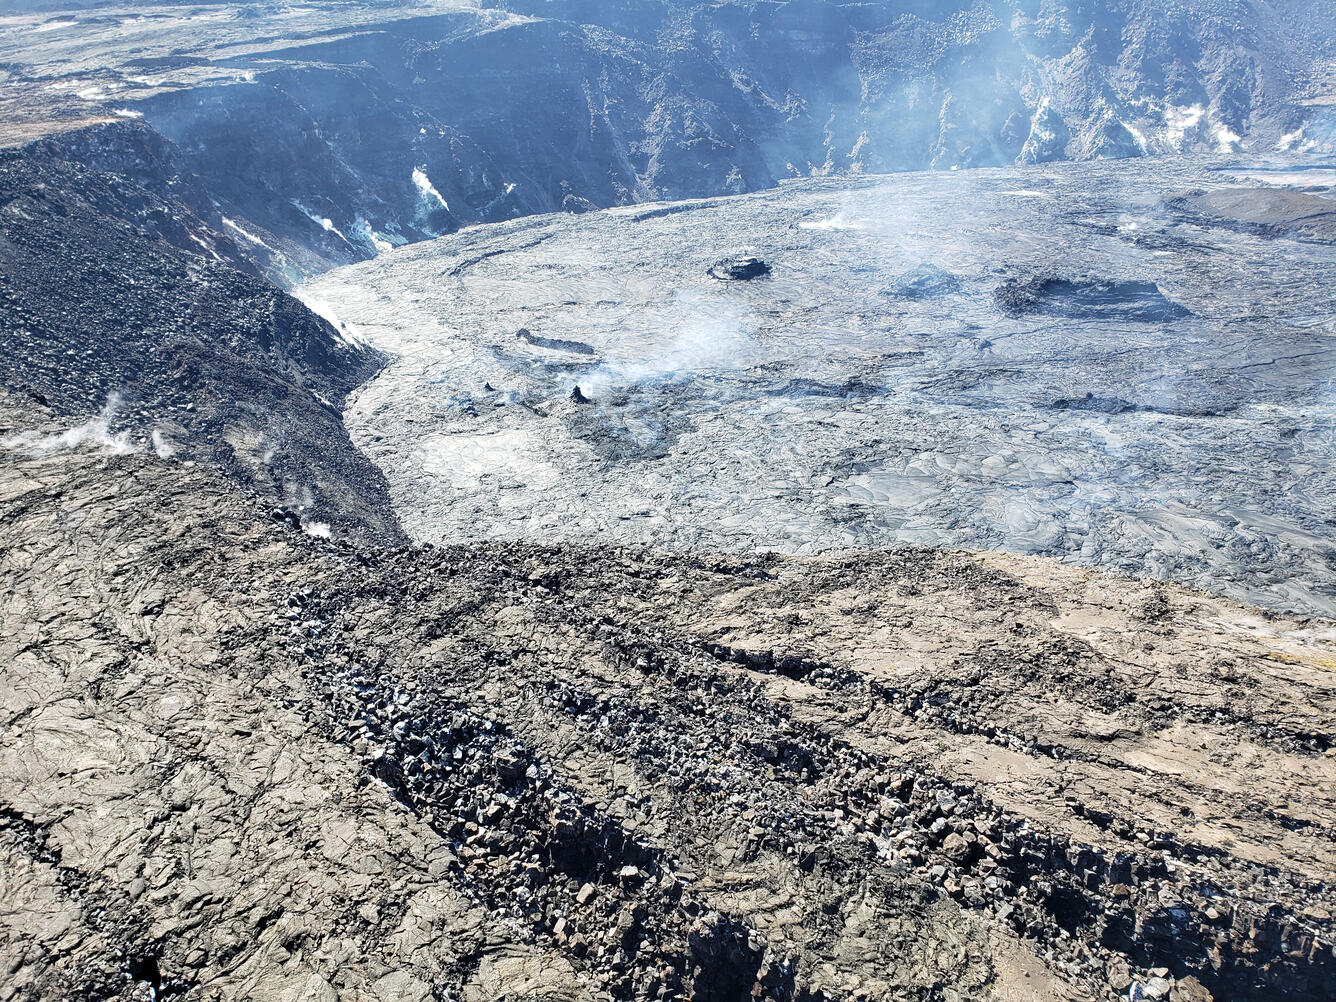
(347, 129)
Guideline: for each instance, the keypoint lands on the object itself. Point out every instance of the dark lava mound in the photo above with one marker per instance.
(1086, 299)
(554, 343)
(738, 269)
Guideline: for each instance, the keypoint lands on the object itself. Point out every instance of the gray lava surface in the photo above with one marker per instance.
(1047, 360)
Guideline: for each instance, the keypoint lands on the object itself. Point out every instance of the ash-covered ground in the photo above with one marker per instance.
(1111, 363)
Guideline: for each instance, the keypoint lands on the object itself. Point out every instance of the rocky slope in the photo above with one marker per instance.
(239, 762)
(131, 305)
(341, 129)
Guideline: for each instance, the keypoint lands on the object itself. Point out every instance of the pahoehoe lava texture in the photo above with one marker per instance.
(239, 762)
(1062, 364)
(926, 281)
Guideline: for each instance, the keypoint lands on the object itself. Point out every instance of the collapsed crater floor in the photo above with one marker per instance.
(1058, 360)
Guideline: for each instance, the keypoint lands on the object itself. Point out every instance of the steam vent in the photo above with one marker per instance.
(732, 501)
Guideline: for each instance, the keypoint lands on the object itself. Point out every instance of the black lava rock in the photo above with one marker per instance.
(738, 269)
(1086, 298)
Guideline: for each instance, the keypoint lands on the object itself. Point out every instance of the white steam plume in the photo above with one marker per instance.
(707, 332)
(95, 433)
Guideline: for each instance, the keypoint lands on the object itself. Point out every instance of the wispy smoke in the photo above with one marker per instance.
(95, 433)
(700, 331)
(162, 446)
(839, 221)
